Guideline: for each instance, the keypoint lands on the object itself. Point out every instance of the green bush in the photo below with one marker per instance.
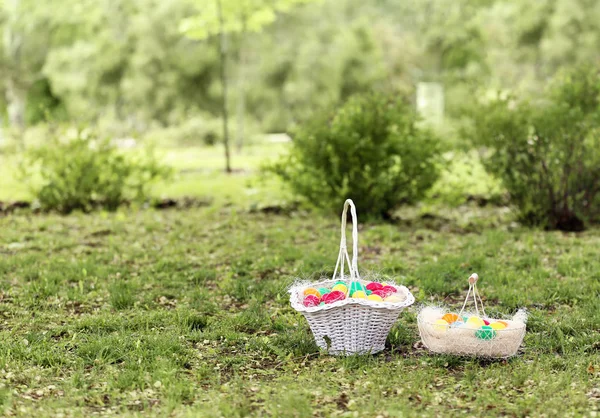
(463, 178)
(547, 153)
(78, 171)
(194, 131)
(370, 150)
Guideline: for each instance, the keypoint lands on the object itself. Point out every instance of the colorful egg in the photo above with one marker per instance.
(440, 325)
(311, 291)
(359, 294)
(379, 293)
(485, 333)
(450, 318)
(369, 292)
(333, 296)
(389, 290)
(311, 300)
(393, 299)
(340, 288)
(375, 298)
(356, 287)
(322, 303)
(485, 321)
(323, 290)
(504, 323)
(497, 325)
(458, 324)
(341, 282)
(374, 286)
(474, 322)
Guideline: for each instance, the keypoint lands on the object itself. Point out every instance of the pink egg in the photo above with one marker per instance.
(485, 321)
(311, 300)
(389, 290)
(334, 296)
(374, 286)
(380, 293)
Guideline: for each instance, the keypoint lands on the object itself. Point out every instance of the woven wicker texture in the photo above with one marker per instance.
(471, 341)
(350, 326)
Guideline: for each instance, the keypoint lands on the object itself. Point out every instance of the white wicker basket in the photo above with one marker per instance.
(462, 340)
(350, 326)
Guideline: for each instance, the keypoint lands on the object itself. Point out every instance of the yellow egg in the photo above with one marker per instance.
(376, 298)
(312, 291)
(440, 325)
(359, 294)
(475, 322)
(340, 287)
(394, 298)
(497, 325)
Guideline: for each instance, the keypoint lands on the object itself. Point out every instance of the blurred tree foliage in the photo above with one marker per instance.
(124, 64)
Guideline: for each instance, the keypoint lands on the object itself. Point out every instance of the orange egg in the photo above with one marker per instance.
(450, 318)
(312, 291)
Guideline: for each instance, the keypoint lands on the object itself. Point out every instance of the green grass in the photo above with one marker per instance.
(185, 313)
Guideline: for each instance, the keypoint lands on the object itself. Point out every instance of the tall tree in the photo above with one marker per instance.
(233, 17)
(26, 29)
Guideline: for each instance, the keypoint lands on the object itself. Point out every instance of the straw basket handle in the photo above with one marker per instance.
(343, 255)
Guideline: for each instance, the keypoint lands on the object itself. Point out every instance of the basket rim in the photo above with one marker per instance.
(296, 303)
(516, 326)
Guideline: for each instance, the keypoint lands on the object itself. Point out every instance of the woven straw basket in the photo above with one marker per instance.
(350, 326)
(469, 341)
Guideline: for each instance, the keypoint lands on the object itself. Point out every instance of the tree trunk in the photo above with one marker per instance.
(223, 74)
(16, 95)
(241, 104)
(16, 100)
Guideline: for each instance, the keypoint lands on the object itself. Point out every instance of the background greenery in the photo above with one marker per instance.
(127, 66)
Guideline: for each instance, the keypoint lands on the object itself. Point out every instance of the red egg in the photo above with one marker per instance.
(485, 321)
(311, 300)
(389, 290)
(334, 296)
(381, 293)
(373, 286)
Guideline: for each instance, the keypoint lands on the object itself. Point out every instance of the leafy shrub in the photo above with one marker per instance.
(370, 150)
(463, 179)
(195, 130)
(77, 171)
(547, 153)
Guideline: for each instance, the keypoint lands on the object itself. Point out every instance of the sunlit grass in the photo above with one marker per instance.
(200, 172)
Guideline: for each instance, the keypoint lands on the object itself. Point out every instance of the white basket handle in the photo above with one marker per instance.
(473, 288)
(343, 255)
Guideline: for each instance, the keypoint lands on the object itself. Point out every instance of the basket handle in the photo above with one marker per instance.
(343, 255)
(473, 288)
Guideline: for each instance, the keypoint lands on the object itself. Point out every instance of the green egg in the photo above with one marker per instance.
(485, 333)
(323, 290)
(369, 292)
(357, 286)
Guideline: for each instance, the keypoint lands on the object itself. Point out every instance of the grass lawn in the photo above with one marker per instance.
(200, 172)
(185, 313)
